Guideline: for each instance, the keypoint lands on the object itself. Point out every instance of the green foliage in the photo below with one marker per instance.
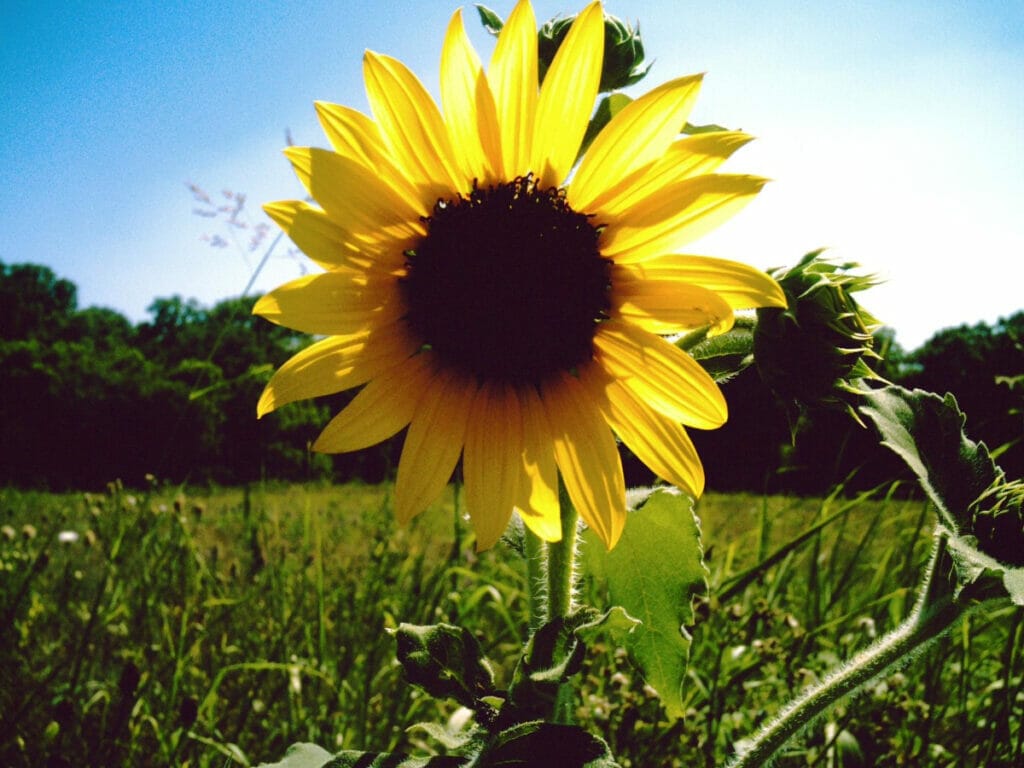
(926, 431)
(90, 397)
(174, 396)
(34, 302)
(256, 620)
(446, 661)
(969, 362)
(657, 589)
(982, 512)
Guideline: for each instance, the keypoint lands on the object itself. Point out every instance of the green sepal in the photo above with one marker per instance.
(538, 743)
(654, 573)
(446, 661)
(692, 130)
(491, 21)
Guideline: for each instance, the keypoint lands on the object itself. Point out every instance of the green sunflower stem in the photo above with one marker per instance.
(935, 614)
(536, 559)
(562, 561)
(561, 583)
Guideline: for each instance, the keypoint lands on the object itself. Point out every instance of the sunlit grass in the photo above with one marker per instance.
(216, 628)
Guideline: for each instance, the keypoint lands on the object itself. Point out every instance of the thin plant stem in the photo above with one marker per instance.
(561, 584)
(935, 613)
(562, 561)
(536, 576)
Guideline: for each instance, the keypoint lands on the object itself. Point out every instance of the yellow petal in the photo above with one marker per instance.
(491, 461)
(433, 444)
(537, 495)
(337, 303)
(567, 97)
(635, 137)
(381, 408)
(685, 158)
(666, 305)
(739, 285)
(658, 442)
(355, 198)
(354, 135)
(674, 215)
(411, 125)
(586, 455)
(469, 108)
(350, 132)
(335, 364)
(513, 78)
(328, 244)
(657, 372)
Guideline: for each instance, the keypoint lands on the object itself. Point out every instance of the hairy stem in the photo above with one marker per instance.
(935, 613)
(536, 576)
(562, 561)
(561, 582)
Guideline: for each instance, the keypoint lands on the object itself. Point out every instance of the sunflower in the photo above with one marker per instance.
(503, 302)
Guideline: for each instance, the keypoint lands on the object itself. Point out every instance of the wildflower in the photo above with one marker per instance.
(500, 310)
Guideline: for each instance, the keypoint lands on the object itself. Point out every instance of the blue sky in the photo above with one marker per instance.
(893, 131)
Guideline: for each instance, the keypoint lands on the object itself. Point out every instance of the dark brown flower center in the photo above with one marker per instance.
(508, 283)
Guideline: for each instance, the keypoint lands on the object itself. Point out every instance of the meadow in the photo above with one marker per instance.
(176, 626)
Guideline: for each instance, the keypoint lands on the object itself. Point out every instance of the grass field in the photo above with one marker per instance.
(171, 627)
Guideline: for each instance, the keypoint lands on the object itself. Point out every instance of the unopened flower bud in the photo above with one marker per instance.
(623, 50)
(623, 47)
(817, 348)
(999, 522)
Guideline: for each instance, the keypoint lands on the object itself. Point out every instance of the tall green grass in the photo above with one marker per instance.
(216, 629)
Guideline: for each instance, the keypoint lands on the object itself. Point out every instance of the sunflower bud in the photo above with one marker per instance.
(623, 50)
(817, 348)
(623, 47)
(998, 522)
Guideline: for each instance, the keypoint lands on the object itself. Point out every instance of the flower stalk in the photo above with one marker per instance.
(562, 561)
(937, 610)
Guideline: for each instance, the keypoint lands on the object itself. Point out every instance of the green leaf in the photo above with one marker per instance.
(302, 756)
(446, 661)
(654, 572)
(722, 356)
(614, 622)
(981, 511)
(537, 743)
(552, 655)
(926, 431)
(351, 758)
(451, 737)
(491, 21)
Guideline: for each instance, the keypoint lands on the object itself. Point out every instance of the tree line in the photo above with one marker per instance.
(89, 396)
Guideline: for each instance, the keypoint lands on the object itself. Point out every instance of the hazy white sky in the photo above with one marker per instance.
(894, 132)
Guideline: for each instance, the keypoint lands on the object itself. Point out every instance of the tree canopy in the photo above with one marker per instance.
(90, 397)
